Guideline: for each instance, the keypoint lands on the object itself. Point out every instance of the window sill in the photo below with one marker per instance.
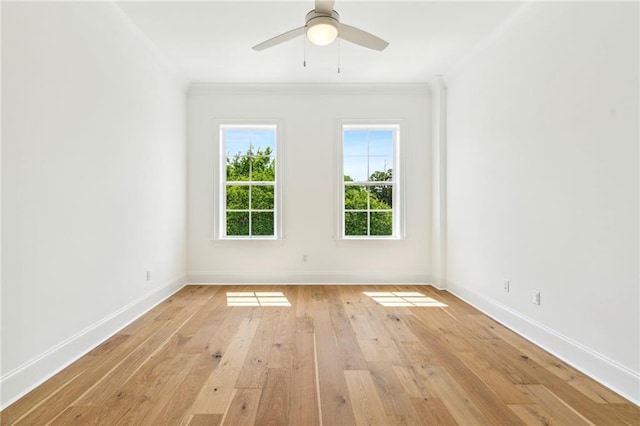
(359, 241)
(249, 241)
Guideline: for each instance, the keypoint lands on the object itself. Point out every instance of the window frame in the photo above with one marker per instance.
(397, 184)
(220, 185)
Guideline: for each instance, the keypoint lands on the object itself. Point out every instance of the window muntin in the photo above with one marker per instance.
(249, 190)
(369, 187)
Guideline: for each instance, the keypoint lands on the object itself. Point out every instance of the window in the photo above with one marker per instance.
(369, 181)
(249, 193)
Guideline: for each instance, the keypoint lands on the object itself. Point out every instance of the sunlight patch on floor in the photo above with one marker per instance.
(403, 298)
(258, 298)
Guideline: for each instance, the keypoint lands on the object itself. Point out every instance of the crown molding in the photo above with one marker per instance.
(307, 89)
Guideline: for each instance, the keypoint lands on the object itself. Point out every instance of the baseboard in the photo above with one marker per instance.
(18, 382)
(305, 277)
(611, 374)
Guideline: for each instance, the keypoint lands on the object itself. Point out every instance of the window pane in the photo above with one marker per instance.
(355, 197)
(381, 142)
(355, 223)
(262, 197)
(237, 223)
(263, 169)
(381, 197)
(238, 168)
(381, 223)
(237, 141)
(356, 168)
(379, 168)
(355, 142)
(262, 223)
(237, 197)
(263, 141)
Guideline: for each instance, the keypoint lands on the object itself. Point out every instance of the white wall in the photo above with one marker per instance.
(543, 183)
(309, 117)
(93, 183)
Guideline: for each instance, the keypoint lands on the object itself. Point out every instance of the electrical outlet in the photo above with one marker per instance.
(148, 275)
(536, 298)
(305, 258)
(506, 286)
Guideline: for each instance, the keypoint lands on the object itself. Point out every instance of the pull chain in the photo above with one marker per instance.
(338, 55)
(304, 49)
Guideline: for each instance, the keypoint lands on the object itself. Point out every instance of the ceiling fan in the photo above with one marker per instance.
(323, 26)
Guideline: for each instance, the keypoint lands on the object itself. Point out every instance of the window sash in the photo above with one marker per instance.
(394, 183)
(222, 230)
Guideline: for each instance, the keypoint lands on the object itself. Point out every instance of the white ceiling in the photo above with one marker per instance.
(210, 41)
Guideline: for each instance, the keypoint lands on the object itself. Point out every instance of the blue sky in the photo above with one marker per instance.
(238, 140)
(367, 151)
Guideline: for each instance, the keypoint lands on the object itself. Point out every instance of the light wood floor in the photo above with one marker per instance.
(335, 357)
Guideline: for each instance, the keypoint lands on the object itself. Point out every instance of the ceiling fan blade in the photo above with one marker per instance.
(360, 37)
(280, 39)
(325, 6)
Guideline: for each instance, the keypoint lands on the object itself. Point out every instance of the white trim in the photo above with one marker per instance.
(608, 372)
(439, 183)
(209, 89)
(237, 277)
(18, 382)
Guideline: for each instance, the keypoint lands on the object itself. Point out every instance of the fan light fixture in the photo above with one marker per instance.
(322, 26)
(322, 31)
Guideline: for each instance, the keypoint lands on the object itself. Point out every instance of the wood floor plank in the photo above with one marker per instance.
(412, 382)
(112, 363)
(206, 322)
(366, 403)
(417, 353)
(559, 411)
(483, 396)
(476, 327)
(345, 336)
(144, 395)
(205, 420)
(395, 401)
(497, 382)
(353, 301)
(304, 301)
(282, 347)
(432, 411)
(106, 358)
(44, 396)
(216, 392)
(334, 396)
(77, 415)
(626, 413)
(304, 398)
(254, 370)
(273, 408)
(334, 357)
(458, 402)
(521, 365)
(361, 325)
(136, 359)
(243, 408)
(533, 414)
(589, 387)
(211, 351)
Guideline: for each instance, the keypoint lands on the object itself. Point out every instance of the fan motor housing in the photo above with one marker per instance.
(314, 17)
